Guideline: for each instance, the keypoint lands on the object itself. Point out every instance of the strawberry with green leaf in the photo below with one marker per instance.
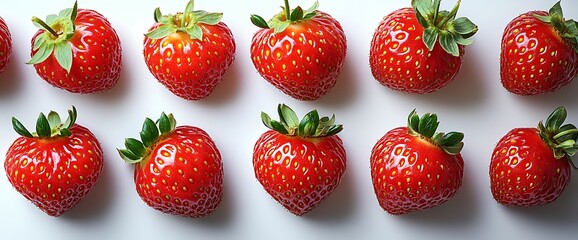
(178, 169)
(299, 163)
(539, 52)
(415, 168)
(56, 166)
(531, 166)
(77, 50)
(420, 49)
(190, 52)
(301, 52)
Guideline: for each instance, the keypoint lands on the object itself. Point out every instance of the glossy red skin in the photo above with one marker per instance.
(191, 68)
(183, 174)
(305, 60)
(5, 45)
(400, 60)
(96, 57)
(299, 173)
(411, 174)
(534, 59)
(524, 172)
(55, 174)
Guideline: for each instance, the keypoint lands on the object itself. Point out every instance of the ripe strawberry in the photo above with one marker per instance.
(178, 171)
(78, 51)
(5, 45)
(531, 166)
(419, 50)
(299, 163)
(299, 52)
(414, 168)
(190, 52)
(539, 52)
(56, 166)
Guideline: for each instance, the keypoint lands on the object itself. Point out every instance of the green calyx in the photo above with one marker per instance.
(568, 29)
(137, 150)
(443, 25)
(288, 16)
(58, 30)
(559, 136)
(48, 127)
(186, 22)
(426, 126)
(311, 126)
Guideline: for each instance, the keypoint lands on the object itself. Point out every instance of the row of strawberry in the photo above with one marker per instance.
(301, 52)
(301, 162)
(179, 170)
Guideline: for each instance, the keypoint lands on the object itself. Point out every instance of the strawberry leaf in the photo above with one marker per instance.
(161, 32)
(135, 146)
(313, 7)
(288, 116)
(158, 16)
(20, 129)
(165, 123)
(430, 36)
(423, 6)
(44, 51)
(309, 124)
(128, 156)
(259, 21)
(297, 14)
(210, 18)
(54, 119)
(195, 32)
(149, 133)
(449, 44)
(43, 127)
(63, 54)
(281, 26)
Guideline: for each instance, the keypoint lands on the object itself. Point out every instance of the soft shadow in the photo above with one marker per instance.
(563, 212)
(458, 211)
(346, 88)
(11, 79)
(565, 96)
(97, 202)
(229, 87)
(338, 206)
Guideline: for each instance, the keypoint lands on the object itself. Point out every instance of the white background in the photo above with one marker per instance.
(475, 103)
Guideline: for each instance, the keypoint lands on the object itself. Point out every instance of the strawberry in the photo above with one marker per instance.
(419, 50)
(299, 163)
(299, 52)
(414, 168)
(531, 166)
(190, 52)
(5, 45)
(56, 166)
(177, 171)
(77, 51)
(539, 52)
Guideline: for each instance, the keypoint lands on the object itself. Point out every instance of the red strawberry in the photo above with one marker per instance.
(414, 168)
(5, 45)
(178, 171)
(299, 52)
(190, 52)
(56, 166)
(299, 163)
(78, 51)
(539, 52)
(419, 50)
(531, 166)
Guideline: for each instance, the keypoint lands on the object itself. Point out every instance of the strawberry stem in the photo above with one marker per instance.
(45, 26)
(287, 9)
